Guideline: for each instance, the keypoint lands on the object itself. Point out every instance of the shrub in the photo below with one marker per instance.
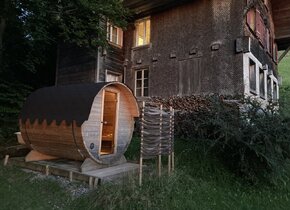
(251, 141)
(12, 96)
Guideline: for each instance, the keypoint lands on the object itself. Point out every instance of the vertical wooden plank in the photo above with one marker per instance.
(169, 164)
(159, 156)
(172, 162)
(6, 160)
(70, 176)
(91, 182)
(172, 139)
(140, 171)
(46, 170)
(141, 146)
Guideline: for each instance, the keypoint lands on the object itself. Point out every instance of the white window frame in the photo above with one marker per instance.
(142, 85)
(119, 38)
(246, 61)
(136, 43)
(115, 74)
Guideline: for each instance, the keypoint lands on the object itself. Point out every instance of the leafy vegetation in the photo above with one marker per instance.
(29, 34)
(284, 71)
(251, 141)
(199, 182)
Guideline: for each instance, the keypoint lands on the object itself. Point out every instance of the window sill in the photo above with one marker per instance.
(253, 92)
(115, 45)
(141, 47)
(142, 98)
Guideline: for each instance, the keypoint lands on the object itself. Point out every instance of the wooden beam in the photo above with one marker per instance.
(36, 156)
(283, 54)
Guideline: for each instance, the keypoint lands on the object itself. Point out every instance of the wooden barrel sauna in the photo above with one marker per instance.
(80, 121)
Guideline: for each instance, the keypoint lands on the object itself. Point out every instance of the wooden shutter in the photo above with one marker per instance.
(251, 19)
(260, 27)
(267, 39)
(275, 52)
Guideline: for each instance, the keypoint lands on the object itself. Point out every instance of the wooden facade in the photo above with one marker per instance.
(195, 47)
(80, 121)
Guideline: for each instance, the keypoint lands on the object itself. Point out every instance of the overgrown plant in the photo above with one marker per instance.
(250, 140)
(11, 99)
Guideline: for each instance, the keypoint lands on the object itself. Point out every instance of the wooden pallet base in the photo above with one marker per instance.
(72, 170)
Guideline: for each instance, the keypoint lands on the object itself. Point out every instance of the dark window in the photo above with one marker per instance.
(262, 83)
(252, 76)
(269, 88)
(142, 83)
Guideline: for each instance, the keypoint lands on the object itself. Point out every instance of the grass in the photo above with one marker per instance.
(198, 183)
(284, 70)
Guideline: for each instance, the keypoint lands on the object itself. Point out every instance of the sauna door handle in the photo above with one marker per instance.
(105, 122)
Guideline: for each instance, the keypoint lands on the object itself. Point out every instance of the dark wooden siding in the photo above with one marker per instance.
(112, 59)
(264, 24)
(75, 65)
(192, 50)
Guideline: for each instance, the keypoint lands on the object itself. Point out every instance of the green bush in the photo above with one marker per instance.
(12, 96)
(251, 141)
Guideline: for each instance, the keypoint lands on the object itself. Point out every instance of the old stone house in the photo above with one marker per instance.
(185, 47)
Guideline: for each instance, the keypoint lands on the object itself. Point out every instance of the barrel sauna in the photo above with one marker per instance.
(80, 121)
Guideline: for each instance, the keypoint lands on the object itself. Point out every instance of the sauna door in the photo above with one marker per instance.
(109, 123)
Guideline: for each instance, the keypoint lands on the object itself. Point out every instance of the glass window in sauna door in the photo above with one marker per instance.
(109, 123)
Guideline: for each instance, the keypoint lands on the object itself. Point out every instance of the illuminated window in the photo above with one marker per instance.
(115, 35)
(142, 32)
(142, 83)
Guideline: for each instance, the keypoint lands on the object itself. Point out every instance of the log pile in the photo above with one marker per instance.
(184, 104)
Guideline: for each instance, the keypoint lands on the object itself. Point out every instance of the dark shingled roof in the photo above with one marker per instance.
(69, 103)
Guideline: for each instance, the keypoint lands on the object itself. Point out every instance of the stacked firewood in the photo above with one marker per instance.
(185, 103)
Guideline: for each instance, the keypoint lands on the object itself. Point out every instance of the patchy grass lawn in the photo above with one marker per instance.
(198, 183)
(284, 70)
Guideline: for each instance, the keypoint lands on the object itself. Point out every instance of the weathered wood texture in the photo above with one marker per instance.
(281, 14)
(111, 60)
(68, 140)
(75, 65)
(71, 170)
(192, 50)
(258, 49)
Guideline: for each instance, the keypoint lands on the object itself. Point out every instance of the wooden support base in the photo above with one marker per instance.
(90, 165)
(71, 170)
(37, 156)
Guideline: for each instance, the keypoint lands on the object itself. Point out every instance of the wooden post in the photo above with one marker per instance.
(141, 146)
(169, 164)
(159, 156)
(91, 182)
(140, 171)
(6, 160)
(70, 176)
(46, 170)
(172, 162)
